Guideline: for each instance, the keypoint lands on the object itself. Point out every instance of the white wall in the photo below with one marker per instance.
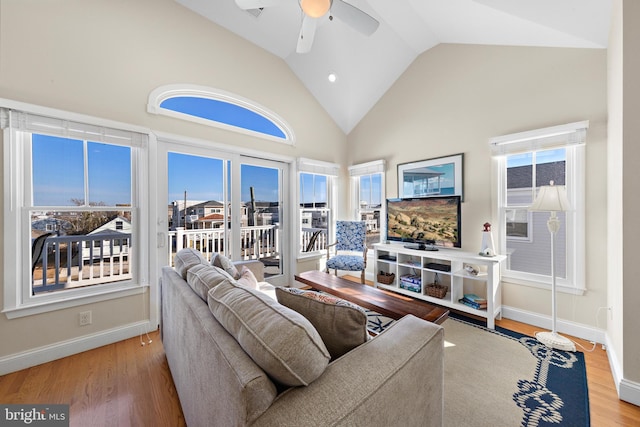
(103, 58)
(453, 98)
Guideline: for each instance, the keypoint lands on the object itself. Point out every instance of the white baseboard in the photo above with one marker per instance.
(37, 356)
(579, 330)
(629, 391)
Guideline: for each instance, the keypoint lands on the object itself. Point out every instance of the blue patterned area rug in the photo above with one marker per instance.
(503, 378)
(376, 322)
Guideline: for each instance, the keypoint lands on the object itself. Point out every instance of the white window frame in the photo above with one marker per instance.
(17, 301)
(572, 137)
(356, 172)
(331, 171)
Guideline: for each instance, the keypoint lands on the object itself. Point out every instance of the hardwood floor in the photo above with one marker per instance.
(122, 384)
(126, 384)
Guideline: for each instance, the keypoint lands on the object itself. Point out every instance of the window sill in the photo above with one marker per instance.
(74, 301)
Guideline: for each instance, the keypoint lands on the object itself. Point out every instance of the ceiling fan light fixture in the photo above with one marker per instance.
(315, 8)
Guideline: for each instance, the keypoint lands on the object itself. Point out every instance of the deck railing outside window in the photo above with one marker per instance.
(82, 260)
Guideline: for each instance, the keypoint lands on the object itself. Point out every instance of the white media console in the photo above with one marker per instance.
(445, 267)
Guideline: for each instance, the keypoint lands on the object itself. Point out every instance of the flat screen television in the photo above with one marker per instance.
(426, 223)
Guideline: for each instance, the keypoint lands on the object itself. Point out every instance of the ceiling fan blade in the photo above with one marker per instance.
(354, 17)
(257, 4)
(307, 33)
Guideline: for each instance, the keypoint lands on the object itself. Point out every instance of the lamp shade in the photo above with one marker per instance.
(315, 8)
(551, 198)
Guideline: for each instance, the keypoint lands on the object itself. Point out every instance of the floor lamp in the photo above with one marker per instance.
(553, 198)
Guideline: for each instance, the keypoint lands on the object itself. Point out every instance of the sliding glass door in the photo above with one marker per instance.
(261, 194)
(220, 202)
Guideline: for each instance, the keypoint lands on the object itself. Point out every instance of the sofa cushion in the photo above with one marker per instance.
(341, 324)
(247, 278)
(221, 261)
(281, 341)
(187, 258)
(203, 277)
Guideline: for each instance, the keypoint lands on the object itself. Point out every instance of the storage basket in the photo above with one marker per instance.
(386, 278)
(436, 291)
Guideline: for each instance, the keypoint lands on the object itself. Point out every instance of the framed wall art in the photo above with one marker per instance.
(440, 176)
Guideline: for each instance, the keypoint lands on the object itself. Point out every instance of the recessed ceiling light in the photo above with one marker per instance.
(332, 77)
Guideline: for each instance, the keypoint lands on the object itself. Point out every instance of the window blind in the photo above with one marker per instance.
(29, 122)
(369, 168)
(318, 166)
(540, 139)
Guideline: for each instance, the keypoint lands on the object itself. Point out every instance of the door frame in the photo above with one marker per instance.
(171, 143)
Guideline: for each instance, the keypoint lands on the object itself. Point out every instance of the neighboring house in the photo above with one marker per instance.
(196, 210)
(109, 240)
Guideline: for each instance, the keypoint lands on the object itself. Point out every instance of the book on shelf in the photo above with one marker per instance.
(475, 298)
(474, 301)
(414, 287)
(472, 305)
(411, 278)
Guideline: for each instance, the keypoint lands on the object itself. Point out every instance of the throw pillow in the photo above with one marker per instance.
(185, 259)
(247, 278)
(341, 324)
(218, 260)
(203, 277)
(279, 340)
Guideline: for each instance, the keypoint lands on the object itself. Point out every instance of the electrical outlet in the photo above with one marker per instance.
(84, 318)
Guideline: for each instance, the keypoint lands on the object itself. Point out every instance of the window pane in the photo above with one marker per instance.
(58, 171)
(529, 245)
(260, 192)
(320, 189)
(550, 166)
(109, 174)
(80, 248)
(517, 223)
(519, 179)
(315, 212)
(223, 112)
(369, 206)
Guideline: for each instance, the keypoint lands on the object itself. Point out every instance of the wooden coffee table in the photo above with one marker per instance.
(384, 302)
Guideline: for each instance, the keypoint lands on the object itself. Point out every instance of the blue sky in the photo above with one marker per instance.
(202, 179)
(370, 189)
(58, 172)
(525, 159)
(223, 112)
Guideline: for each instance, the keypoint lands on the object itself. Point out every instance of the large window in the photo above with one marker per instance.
(316, 205)
(525, 162)
(74, 216)
(368, 195)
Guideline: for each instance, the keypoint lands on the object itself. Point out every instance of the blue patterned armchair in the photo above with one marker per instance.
(350, 236)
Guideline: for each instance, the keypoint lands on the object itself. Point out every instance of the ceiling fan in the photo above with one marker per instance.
(313, 10)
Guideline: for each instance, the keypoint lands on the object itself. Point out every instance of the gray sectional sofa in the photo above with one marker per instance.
(239, 358)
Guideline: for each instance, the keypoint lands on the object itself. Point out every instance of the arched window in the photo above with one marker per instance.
(215, 107)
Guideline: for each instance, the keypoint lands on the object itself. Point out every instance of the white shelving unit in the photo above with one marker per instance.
(447, 268)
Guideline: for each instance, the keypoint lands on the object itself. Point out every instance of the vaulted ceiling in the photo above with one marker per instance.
(366, 66)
